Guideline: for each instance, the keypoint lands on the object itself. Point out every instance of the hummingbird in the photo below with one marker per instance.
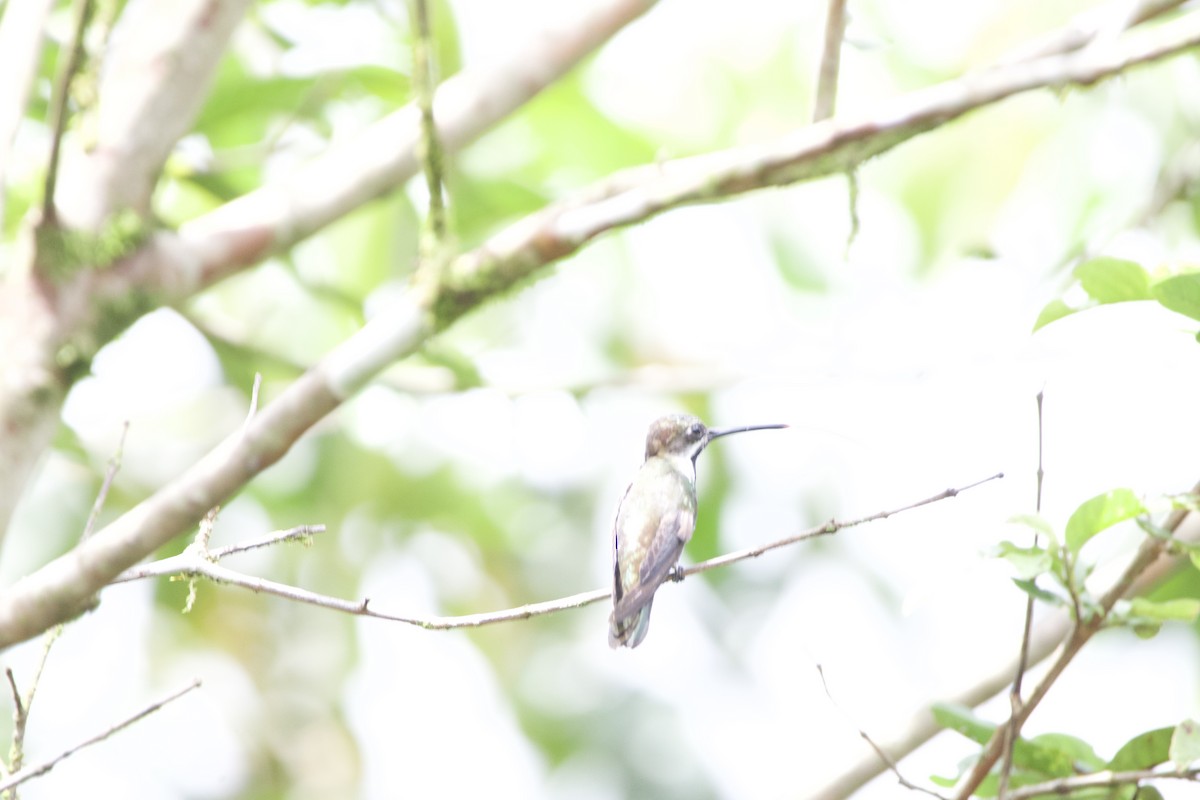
(655, 519)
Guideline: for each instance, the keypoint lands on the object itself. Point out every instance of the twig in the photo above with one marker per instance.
(114, 465)
(1106, 778)
(58, 108)
(46, 766)
(60, 589)
(180, 564)
(429, 148)
(1011, 732)
(833, 526)
(1048, 635)
(1086, 28)
(884, 757)
(192, 563)
(253, 401)
(831, 59)
(22, 705)
(1147, 554)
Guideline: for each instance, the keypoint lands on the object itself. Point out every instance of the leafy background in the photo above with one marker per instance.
(484, 472)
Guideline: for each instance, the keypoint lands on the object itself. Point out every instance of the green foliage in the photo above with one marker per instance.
(1143, 751)
(1185, 744)
(1101, 512)
(1180, 293)
(1114, 280)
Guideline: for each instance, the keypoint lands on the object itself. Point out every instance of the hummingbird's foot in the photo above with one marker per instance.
(675, 575)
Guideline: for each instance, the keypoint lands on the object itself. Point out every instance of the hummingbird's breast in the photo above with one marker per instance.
(658, 489)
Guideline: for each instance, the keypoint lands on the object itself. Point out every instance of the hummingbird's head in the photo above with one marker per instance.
(676, 435)
(684, 435)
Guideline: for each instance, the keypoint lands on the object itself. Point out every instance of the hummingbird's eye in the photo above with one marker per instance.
(695, 431)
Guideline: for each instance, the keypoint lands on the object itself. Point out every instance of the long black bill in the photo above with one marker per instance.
(716, 433)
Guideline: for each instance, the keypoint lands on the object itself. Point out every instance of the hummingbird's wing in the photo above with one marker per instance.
(674, 530)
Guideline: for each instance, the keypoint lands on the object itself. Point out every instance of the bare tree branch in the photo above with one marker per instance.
(40, 327)
(1065, 786)
(45, 766)
(1011, 733)
(1047, 636)
(197, 561)
(156, 76)
(1082, 631)
(58, 590)
(276, 216)
(59, 102)
(22, 32)
(831, 60)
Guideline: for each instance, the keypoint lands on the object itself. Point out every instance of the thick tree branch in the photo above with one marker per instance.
(61, 588)
(156, 76)
(22, 29)
(45, 325)
(383, 157)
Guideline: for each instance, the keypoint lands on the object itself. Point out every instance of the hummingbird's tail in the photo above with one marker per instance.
(628, 630)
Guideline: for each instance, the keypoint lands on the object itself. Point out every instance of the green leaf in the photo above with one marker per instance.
(1053, 754)
(1143, 751)
(1074, 748)
(1054, 310)
(1180, 293)
(1100, 512)
(1185, 744)
(1038, 593)
(1035, 522)
(1195, 556)
(1113, 280)
(1029, 562)
(1148, 793)
(1181, 608)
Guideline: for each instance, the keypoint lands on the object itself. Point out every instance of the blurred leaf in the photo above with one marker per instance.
(1079, 751)
(1054, 310)
(1180, 293)
(1029, 562)
(1113, 280)
(1181, 608)
(1053, 755)
(1146, 793)
(1100, 512)
(1185, 744)
(1038, 593)
(1035, 522)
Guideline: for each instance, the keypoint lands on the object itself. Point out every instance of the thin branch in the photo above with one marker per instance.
(183, 563)
(833, 526)
(1064, 786)
(831, 59)
(193, 563)
(429, 148)
(279, 214)
(883, 756)
(110, 472)
(23, 705)
(46, 766)
(1147, 554)
(1049, 634)
(58, 106)
(1012, 732)
(1088, 27)
(59, 589)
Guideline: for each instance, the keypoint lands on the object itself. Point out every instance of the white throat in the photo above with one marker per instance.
(684, 466)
